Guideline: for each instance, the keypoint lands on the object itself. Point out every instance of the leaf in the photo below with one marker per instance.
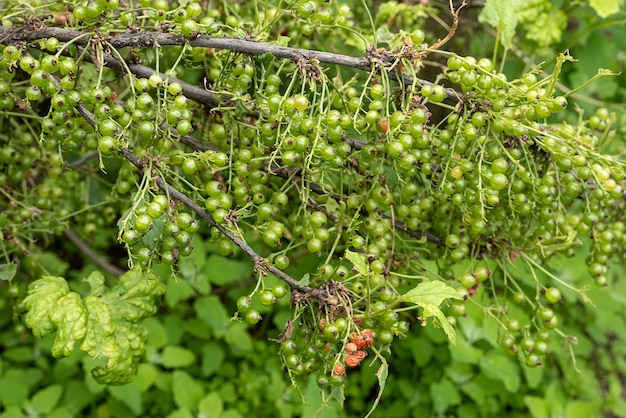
(222, 270)
(238, 339)
(538, 407)
(431, 292)
(498, 366)
(582, 409)
(381, 374)
(42, 298)
(606, 8)
(464, 352)
(7, 271)
(175, 357)
(210, 309)
(13, 392)
(129, 395)
(154, 234)
(429, 295)
(444, 394)
(501, 15)
(358, 260)
(46, 399)
(180, 413)
(212, 358)
(107, 321)
(186, 391)
(211, 406)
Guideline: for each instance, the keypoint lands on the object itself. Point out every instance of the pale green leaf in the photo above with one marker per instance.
(501, 14)
(187, 392)
(431, 292)
(47, 398)
(175, 357)
(538, 407)
(381, 375)
(358, 260)
(444, 394)
(443, 322)
(211, 406)
(41, 301)
(212, 358)
(7, 271)
(129, 394)
(71, 321)
(238, 338)
(429, 295)
(210, 309)
(222, 270)
(108, 321)
(606, 8)
(498, 366)
(582, 409)
(180, 413)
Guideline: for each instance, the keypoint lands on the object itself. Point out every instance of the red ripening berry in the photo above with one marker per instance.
(368, 337)
(351, 348)
(339, 370)
(352, 361)
(359, 341)
(384, 125)
(361, 354)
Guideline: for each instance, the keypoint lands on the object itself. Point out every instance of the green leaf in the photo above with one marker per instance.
(381, 375)
(444, 394)
(7, 271)
(212, 358)
(187, 392)
(431, 292)
(222, 270)
(501, 15)
(177, 291)
(46, 399)
(582, 409)
(464, 352)
(176, 357)
(358, 260)
(429, 295)
(147, 374)
(211, 406)
(109, 322)
(13, 392)
(210, 309)
(606, 8)
(129, 395)
(498, 366)
(181, 413)
(238, 339)
(42, 298)
(538, 407)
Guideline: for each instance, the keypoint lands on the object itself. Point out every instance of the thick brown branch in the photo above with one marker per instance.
(152, 39)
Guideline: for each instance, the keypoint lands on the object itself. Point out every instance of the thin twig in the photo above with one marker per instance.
(91, 255)
(260, 263)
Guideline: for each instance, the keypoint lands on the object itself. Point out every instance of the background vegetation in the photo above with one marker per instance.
(200, 218)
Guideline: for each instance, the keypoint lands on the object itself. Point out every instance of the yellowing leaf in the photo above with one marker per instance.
(501, 15)
(606, 8)
(108, 323)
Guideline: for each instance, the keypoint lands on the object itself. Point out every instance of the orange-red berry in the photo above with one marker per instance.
(339, 369)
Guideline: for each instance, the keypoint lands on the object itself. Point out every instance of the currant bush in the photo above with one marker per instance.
(412, 200)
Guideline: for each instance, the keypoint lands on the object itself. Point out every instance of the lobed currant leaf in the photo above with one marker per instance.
(107, 322)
